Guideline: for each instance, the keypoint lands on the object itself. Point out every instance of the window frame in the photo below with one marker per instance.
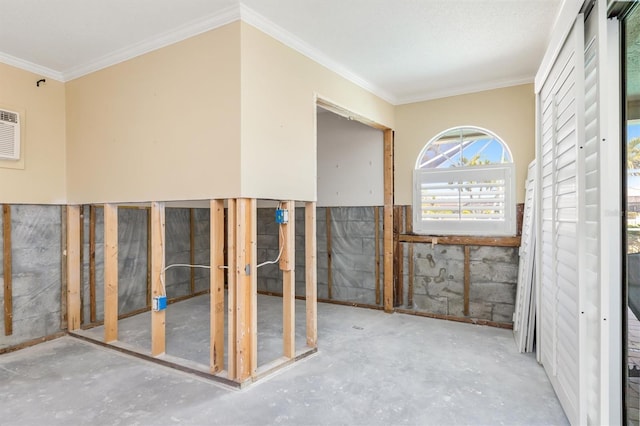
(478, 227)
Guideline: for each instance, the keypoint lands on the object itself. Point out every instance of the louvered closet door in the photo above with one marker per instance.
(590, 235)
(562, 113)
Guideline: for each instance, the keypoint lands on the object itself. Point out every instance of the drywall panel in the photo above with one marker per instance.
(508, 112)
(279, 89)
(350, 163)
(162, 126)
(39, 176)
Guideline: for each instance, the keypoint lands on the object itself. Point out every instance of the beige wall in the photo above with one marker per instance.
(279, 88)
(508, 112)
(39, 177)
(162, 126)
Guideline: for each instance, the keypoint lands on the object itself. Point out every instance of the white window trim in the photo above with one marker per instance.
(504, 227)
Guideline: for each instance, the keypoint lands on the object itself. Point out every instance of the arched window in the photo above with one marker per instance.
(464, 185)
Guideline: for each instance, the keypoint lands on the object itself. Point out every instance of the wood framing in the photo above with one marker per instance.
(158, 337)
(149, 258)
(462, 241)
(398, 260)
(82, 256)
(7, 271)
(329, 254)
(110, 272)
(311, 274)
(92, 264)
(232, 371)
(216, 293)
(246, 285)
(63, 267)
(410, 276)
(467, 280)
(73, 267)
(388, 221)
(376, 218)
(287, 265)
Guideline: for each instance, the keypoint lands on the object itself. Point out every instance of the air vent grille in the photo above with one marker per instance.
(9, 135)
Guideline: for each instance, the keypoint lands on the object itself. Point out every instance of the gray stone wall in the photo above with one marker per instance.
(36, 277)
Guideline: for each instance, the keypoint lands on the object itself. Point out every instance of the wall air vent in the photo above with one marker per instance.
(9, 135)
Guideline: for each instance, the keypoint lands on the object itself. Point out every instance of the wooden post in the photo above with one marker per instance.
(192, 251)
(311, 274)
(398, 261)
(376, 218)
(63, 268)
(92, 264)
(467, 280)
(329, 255)
(7, 263)
(411, 274)
(82, 292)
(73, 267)
(110, 272)
(232, 371)
(216, 292)
(158, 338)
(246, 295)
(149, 258)
(408, 217)
(388, 221)
(287, 265)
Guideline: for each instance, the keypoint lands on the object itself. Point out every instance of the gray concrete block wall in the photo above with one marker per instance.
(36, 273)
(439, 280)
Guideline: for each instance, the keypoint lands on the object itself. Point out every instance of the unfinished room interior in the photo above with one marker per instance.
(320, 212)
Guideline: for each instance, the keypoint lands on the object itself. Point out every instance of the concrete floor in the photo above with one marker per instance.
(371, 368)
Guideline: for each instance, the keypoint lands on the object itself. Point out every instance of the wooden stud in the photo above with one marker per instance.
(7, 270)
(329, 255)
(216, 293)
(73, 267)
(110, 273)
(192, 251)
(408, 220)
(92, 264)
(388, 221)
(398, 261)
(158, 335)
(149, 257)
(467, 280)
(376, 214)
(246, 295)
(232, 372)
(82, 292)
(411, 273)
(63, 268)
(287, 265)
(311, 274)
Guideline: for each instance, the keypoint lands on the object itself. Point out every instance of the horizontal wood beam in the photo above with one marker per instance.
(461, 240)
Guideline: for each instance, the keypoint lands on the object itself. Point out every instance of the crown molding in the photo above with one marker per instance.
(254, 19)
(175, 35)
(463, 90)
(31, 67)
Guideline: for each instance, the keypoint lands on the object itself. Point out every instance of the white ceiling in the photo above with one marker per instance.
(402, 50)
